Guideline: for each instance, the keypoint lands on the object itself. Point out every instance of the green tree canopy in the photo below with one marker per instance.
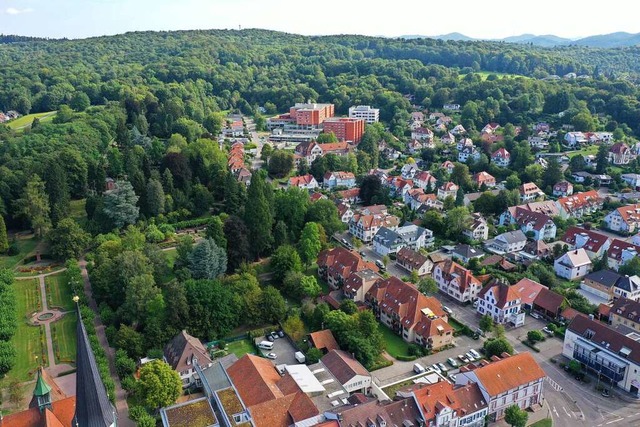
(159, 385)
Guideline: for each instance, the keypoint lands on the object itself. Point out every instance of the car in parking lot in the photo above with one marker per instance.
(270, 338)
(447, 309)
(436, 368)
(281, 333)
(442, 367)
(363, 254)
(463, 358)
(451, 361)
(475, 354)
(547, 331)
(379, 263)
(452, 378)
(274, 335)
(470, 356)
(271, 355)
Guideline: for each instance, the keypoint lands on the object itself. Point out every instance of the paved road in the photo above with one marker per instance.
(257, 161)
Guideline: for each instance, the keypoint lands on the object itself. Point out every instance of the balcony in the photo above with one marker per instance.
(598, 362)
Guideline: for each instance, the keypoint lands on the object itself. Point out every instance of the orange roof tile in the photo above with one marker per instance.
(324, 340)
(255, 379)
(509, 373)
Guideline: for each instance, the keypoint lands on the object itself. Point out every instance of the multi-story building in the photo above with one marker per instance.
(632, 179)
(502, 302)
(339, 179)
(627, 287)
(302, 123)
(311, 114)
(337, 264)
(573, 265)
(505, 243)
(541, 226)
(365, 112)
(412, 261)
(359, 283)
(621, 252)
(308, 151)
(625, 312)
(448, 189)
(608, 353)
(182, 353)
(456, 281)
(478, 229)
(529, 192)
(579, 204)
(365, 226)
(563, 189)
(513, 380)
(625, 219)
(595, 244)
(485, 178)
(388, 241)
(620, 154)
(548, 208)
(501, 157)
(345, 129)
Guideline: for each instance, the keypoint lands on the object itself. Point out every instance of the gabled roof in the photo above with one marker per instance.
(562, 186)
(408, 256)
(509, 373)
(546, 207)
(467, 251)
(463, 400)
(529, 188)
(528, 290)
(297, 181)
(359, 279)
(511, 237)
(334, 146)
(601, 335)
(607, 278)
(627, 308)
(618, 246)
(574, 258)
(501, 153)
(284, 411)
(181, 351)
(324, 340)
(343, 262)
(372, 412)
(352, 193)
(343, 366)
(595, 240)
(256, 379)
(60, 415)
(502, 292)
(580, 200)
(629, 283)
(536, 219)
(483, 177)
(619, 148)
(452, 270)
(449, 186)
(549, 300)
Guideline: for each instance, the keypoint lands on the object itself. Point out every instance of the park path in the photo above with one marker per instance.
(122, 408)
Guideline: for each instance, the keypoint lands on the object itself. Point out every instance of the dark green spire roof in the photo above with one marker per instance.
(42, 388)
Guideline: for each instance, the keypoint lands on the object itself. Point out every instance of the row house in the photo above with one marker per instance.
(541, 226)
(599, 137)
(456, 281)
(579, 204)
(478, 228)
(595, 244)
(336, 265)
(501, 157)
(448, 189)
(548, 208)
(484, 178)
(365, 226)
(357, 285)
(606, 352)
(621, 252)
(502, 302)
(625, 219)
(573, 265)
(620, 154)
(412, 261)
(306, 182)
(410, 314)
(444, 405)
(563, 189)
(510, 380)
(332, 180)
(529, 192)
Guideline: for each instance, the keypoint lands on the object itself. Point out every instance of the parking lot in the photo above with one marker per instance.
(284, 350)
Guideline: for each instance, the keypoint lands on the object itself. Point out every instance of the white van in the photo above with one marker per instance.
(266, 345)
(418, 368)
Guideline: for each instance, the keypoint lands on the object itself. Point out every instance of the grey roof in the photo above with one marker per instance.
(606, 278)
(467, 251)
(386, 236)
(512, 236)
(215, 375)
(629, 283)
(409, 231)
(93, 408)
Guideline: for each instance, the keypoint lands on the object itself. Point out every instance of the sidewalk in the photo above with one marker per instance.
(540, 414)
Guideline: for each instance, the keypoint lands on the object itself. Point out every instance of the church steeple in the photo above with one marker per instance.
(93, 408)
(42, 393)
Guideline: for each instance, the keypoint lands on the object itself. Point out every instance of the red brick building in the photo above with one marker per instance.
(311, 114)
(346, 129)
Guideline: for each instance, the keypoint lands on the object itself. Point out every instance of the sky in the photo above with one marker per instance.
(485, 19)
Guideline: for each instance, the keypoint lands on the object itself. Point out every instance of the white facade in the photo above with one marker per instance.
(573, 265)
(451, 284)
(365, 112)
(510, 313)
(357, 383)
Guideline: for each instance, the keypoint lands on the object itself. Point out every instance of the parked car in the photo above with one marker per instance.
(344, 241)
(547, 331)
(270, 338)
(470, 356)
(447, 309)
(380, 264)
(271, 355)
(281, 333)
(475, 304)
(442, 367)
(418, 368)
(463, 358)
(451, 361)
(535, 315)
(475, 353)
(275, 335)
(452, 378)
(363, 253)
(436, 368)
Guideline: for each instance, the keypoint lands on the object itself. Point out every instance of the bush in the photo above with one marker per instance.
(222, 345)
(417, 350)
(534, 336)
(530, 345)
(406, 358)
(13, 249)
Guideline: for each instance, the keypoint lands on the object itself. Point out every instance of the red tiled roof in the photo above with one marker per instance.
(547, 207)
(342, 262)
(334, 146)
(297, 181)
(501, 153)
(562, 186)
(324, 340)
(549, 300)
(449, 186)
(525, 216)
(509, 373)
(502, 292)
(595, 240)
(407, 256)
(569, 313)
(619, 148)
(483, 178)
(284, 411)
(630, 213)
(255, 379)
(61, 414)
(451, 269)
(529, 188)
(317, 196)
(463, 400)
(528, 290)
(349, 194)
(580, 200)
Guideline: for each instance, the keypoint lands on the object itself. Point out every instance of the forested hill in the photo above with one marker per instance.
(270, 65)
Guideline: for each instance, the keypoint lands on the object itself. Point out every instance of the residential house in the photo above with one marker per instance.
(387, 241)
(607, 353)
(382, 175)
(398, 186)
(448, 166)
(542, 127)
(581, 176)
(627, 287)
(422, 134)
(337, 264)
(528, 290)
(620, 154)
(365, 227)
(309, 151)
(344, 212)
(549, 304)
(537, 225)
(625, 219)
(468, 152)
(502, 302)
(444, 120)
(466, 253)
(435, 116)
(548, 208)
(478, 229)
(306, 182)
(579, 204)
(182, 414)
(448, 138)
(537, 248)
(625, 312)
(512, 380)
(409, 170)
(529, 192)
(332, 180)
(359, 283)
(417, 116)
(448, 189)
(601, 284)
(338, 148)
(458, 130)
(620, 252)
(538, 142)
(243, 176)
(595, 244)
(452, 107)
(412, 261)
(485, 178)
(351, 196)
(415, 147)
(499, 262)
(505, 243)
(429, 201)
(410, 314)
(443, 404)
(573, 265)
(182, 352)
(563, 189)
(501, 157)
(632, 179)
(323, 340)
(456, 281)
(363, 411)
(425, 180)
(416, 197)
(575, 139)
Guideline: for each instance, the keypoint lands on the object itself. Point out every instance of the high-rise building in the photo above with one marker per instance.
(365, 112)
(345, 128)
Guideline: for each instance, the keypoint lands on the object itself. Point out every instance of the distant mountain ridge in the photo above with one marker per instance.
(613, 40)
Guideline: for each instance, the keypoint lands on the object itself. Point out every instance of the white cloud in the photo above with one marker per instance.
(14, 11)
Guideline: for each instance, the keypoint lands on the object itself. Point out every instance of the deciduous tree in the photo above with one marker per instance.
(34, 206)
(68, 240)
(159, 385)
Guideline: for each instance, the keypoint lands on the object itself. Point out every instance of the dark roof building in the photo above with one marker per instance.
(183, 350)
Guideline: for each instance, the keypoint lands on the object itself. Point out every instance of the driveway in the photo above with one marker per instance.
(283, 349)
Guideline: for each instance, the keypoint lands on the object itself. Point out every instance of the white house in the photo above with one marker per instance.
(348, 371)
(509, 242)
(448, 189)
(620, 154)
(409, 170)
(501, 157)
(307, 182)
(365, 112)
(422, 134)
(573, 265)
(625, 219)
(387, 241)
(478, 229)
(627, 287)
(456, 281)
(529, 192)
(574, 139)
(502, 302)
(452, 107)
(632, 179)
(563, 189)
(182, 353)
(468, 152)
(339, 179)
(365, 227)
(412, 261)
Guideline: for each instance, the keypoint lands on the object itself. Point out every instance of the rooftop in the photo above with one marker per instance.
(194, 413)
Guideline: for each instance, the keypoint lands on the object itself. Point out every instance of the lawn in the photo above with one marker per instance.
(26, 247)
(59, 292)
(395, 345)
(547, 422)
(63, 335)
(240, 348)
(587, 151)
(24, 121)
(28, 297)
(77, 211)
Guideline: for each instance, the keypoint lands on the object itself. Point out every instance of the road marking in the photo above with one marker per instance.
(566, 412)
(556, 411)
(614, 421)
